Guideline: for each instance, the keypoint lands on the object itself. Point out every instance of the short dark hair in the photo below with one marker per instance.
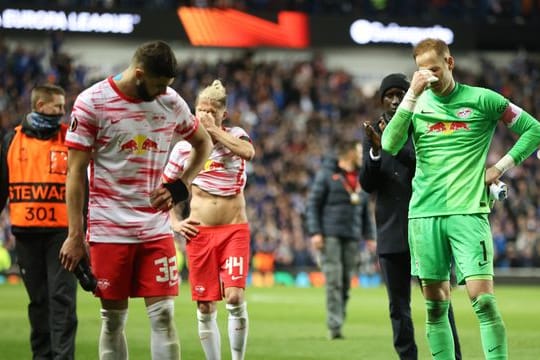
(343, 147)
(45, 92)
(156, 58)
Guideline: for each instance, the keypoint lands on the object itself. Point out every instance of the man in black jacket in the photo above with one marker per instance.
(337, 218)
(390, 178)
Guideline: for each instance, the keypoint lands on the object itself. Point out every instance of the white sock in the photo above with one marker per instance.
(238, 330)
(209, 335)
(164, 343)
(112, 339)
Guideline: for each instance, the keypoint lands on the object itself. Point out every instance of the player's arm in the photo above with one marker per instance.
(201, 148)
(176, 216)
(525, 125)
(396, 132)
(176, 189)
(407, 155)
(181, 222)
(239, 146)
(73, 249)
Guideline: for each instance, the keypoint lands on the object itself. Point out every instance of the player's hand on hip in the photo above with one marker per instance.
(161, 199)
(492, 175)
(188, 228)
(72, 251)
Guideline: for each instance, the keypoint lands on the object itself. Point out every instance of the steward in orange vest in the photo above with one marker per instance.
(33, 168)
(36, 174)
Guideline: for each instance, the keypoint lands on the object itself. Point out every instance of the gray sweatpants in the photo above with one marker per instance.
(338, 261)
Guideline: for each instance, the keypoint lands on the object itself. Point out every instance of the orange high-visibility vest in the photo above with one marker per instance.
(37, 180)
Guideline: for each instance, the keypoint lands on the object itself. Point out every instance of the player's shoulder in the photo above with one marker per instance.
(477, 91)
(182, 146)
(172, 95)
(95, 91)
(172, 100)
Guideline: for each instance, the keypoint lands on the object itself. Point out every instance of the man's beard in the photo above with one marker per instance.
(142, 92)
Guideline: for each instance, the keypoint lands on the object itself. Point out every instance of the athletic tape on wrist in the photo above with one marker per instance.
(178, 190)
(409, 101)
(505, 163)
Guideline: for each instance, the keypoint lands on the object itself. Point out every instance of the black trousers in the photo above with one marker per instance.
(52, 291)
(396, 272)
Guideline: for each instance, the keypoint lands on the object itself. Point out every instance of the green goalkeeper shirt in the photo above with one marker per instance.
(452, 135)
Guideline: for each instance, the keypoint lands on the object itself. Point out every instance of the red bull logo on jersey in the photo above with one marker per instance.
(447, 127)
(139, 145)
(213, 165)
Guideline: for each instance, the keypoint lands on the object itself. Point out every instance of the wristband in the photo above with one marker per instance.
(178, 190)
(505, 163)
(409, 101)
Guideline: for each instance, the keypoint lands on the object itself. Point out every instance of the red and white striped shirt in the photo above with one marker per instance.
(130, 142)
(224, 173)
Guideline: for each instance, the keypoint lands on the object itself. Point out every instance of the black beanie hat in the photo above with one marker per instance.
(393, 81)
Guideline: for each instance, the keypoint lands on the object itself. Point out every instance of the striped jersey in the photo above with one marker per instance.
(130, 142)
(224, 173)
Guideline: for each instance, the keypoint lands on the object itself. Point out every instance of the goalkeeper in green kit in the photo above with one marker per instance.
(453, 125)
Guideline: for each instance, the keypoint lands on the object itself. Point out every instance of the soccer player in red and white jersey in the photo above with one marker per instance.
(216, 230)
(122, 129)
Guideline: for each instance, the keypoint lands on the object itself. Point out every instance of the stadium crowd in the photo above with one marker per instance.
(294, 112)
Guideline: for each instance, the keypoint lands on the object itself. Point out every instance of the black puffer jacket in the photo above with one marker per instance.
(329, 209)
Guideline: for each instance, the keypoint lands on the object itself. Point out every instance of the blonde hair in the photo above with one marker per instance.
(439, 46)
(215, 92)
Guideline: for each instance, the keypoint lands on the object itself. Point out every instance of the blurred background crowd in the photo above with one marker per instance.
(295, 111)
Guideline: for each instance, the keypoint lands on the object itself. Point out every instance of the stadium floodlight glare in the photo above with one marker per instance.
(27, 19)
(364, 31)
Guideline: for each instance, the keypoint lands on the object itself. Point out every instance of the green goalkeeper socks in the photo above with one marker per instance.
(492, 329)
(438, 331)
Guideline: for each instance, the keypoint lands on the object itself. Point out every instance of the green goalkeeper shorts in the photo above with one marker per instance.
(436, 241)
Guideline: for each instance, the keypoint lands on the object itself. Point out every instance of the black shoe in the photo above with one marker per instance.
(84, 274)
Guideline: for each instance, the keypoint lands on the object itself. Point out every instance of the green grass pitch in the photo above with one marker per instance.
(289, 324)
